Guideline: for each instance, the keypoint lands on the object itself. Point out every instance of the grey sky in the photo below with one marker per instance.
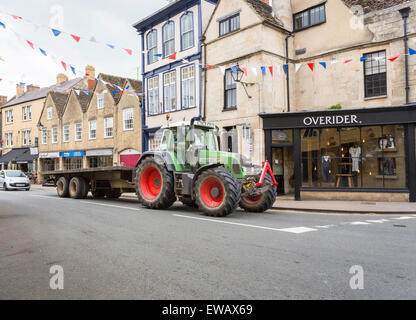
(108, 21)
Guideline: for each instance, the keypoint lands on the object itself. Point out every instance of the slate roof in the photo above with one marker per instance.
(84, 100)
(136, 85)
(118, 81)
(60, 99)
(41, 93)
(373, 5)
(265, 11)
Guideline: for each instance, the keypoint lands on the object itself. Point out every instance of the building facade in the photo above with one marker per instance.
(97, 127)
(172, 64)
(20, 117)
(326, 94)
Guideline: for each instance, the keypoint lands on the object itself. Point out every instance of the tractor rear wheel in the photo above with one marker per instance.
(217, 192)
(155, 184)
(262, 202)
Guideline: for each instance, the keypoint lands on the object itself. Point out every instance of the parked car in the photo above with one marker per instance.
(14, 180)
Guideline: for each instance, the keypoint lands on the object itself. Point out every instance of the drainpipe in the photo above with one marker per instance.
(287, 73)
(405, 14)
(204, 115)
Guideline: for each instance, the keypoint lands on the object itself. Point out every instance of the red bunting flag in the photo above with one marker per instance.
(394, 58)
(1, 79)
(64, 65)
(311, 65)
(30, 44)
(76, 38)
(271, 70)
(16, 17)
(87, 74)
(348, 61)
(173, 56)
(129, 51)
(245, 71)
(209, 66)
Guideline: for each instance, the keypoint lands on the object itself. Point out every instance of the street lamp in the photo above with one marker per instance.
(238, 74)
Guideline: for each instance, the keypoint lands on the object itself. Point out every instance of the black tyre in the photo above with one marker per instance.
(5, 187)
(76, 188)
(217, 192)
(263, 202)
(62, 187)
(189, 202)
(155, 184)
(113, 194)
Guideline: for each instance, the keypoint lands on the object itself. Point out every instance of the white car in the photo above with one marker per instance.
(14, 180)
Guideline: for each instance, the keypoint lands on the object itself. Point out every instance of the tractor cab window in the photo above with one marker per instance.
(168, 140)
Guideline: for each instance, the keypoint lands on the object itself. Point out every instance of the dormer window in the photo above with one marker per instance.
(230, 24)
(310, 17)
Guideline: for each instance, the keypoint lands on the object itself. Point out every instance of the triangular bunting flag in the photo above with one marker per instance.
(77, 92)
(209, 66)
(271, 70)
(30, 44)
(114, 92)
(394, 58)
(129, 51)
(86, 92)
(334, 61)
(348, 61)
(311, 66)
(92, 39)
(16, 17)
(254, 71)
(297, 67)
(73, 70)
(111, 46)
(22, 84)
(323, 64)
(263, 70)
(127, 88)
(2, 25)
(76, 38)
(245, 71)
(234, 70)
(412, 51)
(158, 55)
(222, 70)
(64, 65)
(285, 66)
(173, 56)
(43, 52)
(363, 59)
(56, 32)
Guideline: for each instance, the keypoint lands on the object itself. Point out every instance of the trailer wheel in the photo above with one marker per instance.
(155, 184)
(218, 192)
(262, 202)
(76, 188)
(62, 187)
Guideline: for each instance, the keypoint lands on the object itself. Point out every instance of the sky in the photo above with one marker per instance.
(108, 21)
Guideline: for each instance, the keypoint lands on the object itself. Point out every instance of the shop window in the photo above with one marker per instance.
(368, 157)
(101, 162)
(73, 163)
(282, 137)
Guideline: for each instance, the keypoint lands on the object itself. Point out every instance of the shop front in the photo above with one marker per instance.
(364, 154)
(100, 158)
(72, 160)
(49, 161)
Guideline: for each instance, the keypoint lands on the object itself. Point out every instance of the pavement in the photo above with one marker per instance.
(354, 207)
(116, 249)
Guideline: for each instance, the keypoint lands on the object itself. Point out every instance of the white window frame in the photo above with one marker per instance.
(49, 112)
(151, 40)
(27, 137)
(169, 91)
(44, 138)
(100, 101)
(92, 129)
(78, 130)
(108, 127)
(9, 139)
(188, 87)
(128, 119)
(187, 31)
(168, 34)
(9, 116)
(55, 135)
(153, 95)
(65, 133)
(27, 113)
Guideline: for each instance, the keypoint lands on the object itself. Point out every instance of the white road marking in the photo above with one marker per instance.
(357, 223)
(326, 227)
(404, 218)
(90, 202)
(290, 230)
(378, 221)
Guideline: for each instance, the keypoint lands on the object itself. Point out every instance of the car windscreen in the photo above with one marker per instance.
(15, 174)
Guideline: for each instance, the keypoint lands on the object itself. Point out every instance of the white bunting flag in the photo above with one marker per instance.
(254, 71)
(222, 70)
(297, 67)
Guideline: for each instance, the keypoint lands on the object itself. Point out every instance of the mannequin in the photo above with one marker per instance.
(326, 167)
(355, 153)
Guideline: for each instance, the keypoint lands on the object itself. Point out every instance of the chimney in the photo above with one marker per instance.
(90, 74)
(20, 90)
(3, 100)
(61, 78)
(32, 87)
(282, 10)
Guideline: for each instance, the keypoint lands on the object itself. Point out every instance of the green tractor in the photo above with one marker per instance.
(189, 166)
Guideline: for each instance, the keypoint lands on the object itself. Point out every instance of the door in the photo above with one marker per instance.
(278, 167)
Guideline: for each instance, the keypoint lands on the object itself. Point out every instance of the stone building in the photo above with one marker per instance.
(20, 117)
(97, 127)
(3, 101)
(172, 64)
(324, 90)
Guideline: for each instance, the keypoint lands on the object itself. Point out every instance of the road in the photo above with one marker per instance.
(120, 250)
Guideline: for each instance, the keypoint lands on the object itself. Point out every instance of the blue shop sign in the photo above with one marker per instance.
(74, 154)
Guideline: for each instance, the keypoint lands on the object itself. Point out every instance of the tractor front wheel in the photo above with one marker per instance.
(155, 184)
(217, 192)
(262, 202)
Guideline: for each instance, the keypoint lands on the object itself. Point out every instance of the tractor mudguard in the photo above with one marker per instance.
(164, 156)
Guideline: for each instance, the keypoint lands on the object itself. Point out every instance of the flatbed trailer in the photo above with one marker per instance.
(108, 182)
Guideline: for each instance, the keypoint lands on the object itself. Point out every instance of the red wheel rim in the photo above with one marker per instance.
(252, 200)
(151, 182)
(212, 193)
